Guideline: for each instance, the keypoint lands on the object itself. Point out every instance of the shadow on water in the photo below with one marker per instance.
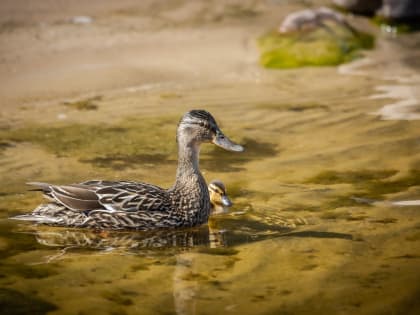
(16, 244)
(13, 302)
(369, 183)
(317, 234)
(253, 150)
(122, 162)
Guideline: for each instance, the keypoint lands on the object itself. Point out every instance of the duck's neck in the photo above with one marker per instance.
(190, 188)
(188, 162)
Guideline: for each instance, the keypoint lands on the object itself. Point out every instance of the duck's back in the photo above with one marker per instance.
(131, 196)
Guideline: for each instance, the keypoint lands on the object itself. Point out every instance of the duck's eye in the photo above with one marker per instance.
(202, 124)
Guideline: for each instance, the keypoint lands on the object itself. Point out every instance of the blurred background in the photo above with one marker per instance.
(324, 96)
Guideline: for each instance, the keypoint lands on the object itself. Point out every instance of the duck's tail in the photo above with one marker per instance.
(49, 213)
(42, 219)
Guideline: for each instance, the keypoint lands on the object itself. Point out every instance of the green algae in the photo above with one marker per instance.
(13, 302)
(334, 215)
(293, 107)
(118, 297)
(319, 47)
(371, 184)
(139, 267)
(194, 276)
(9, 26)
(12, 203)
(343, 201)
(20, 242)
(126, 144)
(375, 189)
(5, 145)
(28, 271)
(309, 267)
(413, 237)
(330, 177)
(84, 104)
(385, 220)
(170, 95)
(219, 251)
(125, 161)
(339, 214)
(144, 140)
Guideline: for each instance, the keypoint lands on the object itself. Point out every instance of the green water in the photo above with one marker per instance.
(313, 229)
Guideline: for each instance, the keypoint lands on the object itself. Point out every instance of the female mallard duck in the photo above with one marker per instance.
(219, 200)
(133, 205)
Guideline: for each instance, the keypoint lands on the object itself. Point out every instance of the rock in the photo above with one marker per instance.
(359, 6)
(388, 9)
(310, 19)
(318, 37)
(82, 19)
(400, 9)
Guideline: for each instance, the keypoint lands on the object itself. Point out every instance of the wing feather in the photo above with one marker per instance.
(107, 195)
(130, 196)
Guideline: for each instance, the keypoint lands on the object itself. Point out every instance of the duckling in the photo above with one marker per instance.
(219, 199)
(135, 205)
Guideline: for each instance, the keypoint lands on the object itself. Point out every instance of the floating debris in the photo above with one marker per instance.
(82, 20)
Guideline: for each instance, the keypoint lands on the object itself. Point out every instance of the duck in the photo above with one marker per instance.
(219, 200)
(121, 205)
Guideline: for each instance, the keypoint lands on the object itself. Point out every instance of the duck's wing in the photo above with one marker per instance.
(109, 195)
(78, 197)
(131, 196)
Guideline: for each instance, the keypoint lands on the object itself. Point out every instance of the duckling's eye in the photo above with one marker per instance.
(202, 124)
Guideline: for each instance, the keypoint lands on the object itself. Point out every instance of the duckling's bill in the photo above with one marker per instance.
(226, 201)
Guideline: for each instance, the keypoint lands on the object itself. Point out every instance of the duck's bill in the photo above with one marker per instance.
(226, 201)
(224, 142)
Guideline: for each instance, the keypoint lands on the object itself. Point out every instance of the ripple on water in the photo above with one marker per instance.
(407, 106)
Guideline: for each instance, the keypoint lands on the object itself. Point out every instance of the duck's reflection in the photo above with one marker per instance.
(185, 288)
(186, 245)
(130, 241)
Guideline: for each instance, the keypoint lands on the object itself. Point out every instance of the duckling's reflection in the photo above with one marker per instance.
(185, 289)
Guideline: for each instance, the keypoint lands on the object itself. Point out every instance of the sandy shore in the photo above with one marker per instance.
(45, 56)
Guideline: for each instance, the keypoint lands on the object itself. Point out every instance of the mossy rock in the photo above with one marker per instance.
(319, 47)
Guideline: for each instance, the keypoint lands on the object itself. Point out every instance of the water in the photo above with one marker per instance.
(325, 218)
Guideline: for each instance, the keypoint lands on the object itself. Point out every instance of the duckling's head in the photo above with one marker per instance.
(218, 198)
(198, 126)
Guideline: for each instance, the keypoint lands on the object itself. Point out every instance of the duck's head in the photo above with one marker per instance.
(218, 197)
(198, 126)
